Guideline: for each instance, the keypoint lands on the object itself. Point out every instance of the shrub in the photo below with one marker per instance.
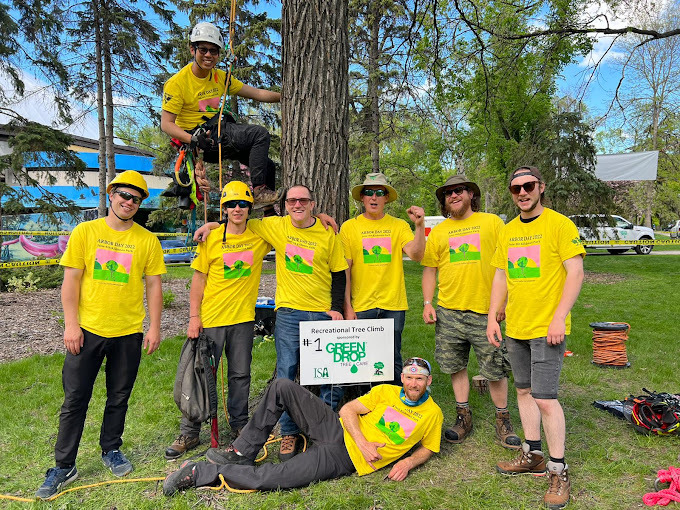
(168, 298)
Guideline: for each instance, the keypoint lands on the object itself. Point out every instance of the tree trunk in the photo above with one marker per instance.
(101, 209)
(108, 90)
(314, 104)
(373, 83)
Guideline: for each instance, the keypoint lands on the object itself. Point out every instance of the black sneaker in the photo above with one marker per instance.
(228, 456)
(117, 463)
(55, 479)
(182, 479)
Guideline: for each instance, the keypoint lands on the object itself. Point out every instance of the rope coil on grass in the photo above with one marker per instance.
(609, 344)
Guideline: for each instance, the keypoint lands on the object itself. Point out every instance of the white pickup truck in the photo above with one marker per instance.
(600, 227)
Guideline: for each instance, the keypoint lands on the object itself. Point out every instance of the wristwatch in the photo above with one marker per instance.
(427, 303)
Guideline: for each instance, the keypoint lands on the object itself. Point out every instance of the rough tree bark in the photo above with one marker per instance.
(315, 99)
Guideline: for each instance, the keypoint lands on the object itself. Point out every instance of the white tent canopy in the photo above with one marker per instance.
(636, 166)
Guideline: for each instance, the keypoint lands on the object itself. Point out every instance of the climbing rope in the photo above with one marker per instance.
(232, 59)
(80, 487)
(663, 497)
(223, 482)
(609, 343)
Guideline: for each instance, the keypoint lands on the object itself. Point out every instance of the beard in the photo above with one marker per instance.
(460, 211)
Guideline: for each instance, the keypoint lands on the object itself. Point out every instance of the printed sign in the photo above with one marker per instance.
(339, 352)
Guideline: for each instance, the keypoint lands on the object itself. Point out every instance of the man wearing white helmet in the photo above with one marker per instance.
(103, 300)
(191, 103)
(224, 289)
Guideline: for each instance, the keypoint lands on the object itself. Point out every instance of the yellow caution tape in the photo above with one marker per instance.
(30, 263)
(180, 250)
(33, 233)
(630, 242)
(61, 233)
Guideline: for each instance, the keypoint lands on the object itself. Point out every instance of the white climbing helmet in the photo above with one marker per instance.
(207, 32)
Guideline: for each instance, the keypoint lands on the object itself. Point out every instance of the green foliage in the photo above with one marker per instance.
(46, 277)
(26, 283)
(168, 298)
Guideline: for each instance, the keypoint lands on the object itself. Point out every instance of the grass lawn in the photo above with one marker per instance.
(611, 465)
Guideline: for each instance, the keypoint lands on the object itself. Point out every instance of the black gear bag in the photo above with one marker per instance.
(195, 390)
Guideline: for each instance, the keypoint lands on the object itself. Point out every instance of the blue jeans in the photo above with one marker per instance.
(287, 341)
(399, 317)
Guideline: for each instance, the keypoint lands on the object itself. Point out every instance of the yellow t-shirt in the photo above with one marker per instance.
(399, 426)
(532, 255)
(111, 300)
(233, 270)
(461, 250)
(375, 249)
(195, 100)
(305, 258)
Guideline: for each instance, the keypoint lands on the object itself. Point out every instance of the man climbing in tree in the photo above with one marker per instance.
(191, 104)
(105, 264)
(224, 288)
(459, 251)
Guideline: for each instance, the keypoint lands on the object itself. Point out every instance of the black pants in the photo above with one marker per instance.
(326, 458)
(78, 376)
(249, 144)
(237, 342)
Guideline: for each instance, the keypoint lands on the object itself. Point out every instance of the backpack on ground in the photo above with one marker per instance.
(195, 390)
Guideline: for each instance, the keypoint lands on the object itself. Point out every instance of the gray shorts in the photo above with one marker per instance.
(455, 332)
(537, 365)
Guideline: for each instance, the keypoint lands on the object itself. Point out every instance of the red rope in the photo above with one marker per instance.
(665, 496)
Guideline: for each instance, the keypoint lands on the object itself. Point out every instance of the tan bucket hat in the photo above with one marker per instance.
(456, 180)
(375, 179)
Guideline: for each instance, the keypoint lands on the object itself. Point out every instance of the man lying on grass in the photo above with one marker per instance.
(370, 432)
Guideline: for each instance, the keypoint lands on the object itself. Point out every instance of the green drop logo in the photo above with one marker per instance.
(354, 369)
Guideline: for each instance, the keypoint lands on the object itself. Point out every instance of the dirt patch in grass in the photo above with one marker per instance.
(603, 278)
(32, 322)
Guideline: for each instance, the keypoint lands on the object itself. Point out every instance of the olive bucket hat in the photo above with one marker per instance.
(456, 180)
(375, 179)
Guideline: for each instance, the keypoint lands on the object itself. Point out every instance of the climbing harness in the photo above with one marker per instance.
(654, 413)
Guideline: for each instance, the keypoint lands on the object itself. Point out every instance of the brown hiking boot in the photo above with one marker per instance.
(527, 463)
(263, 196)
(181, 445)
(462, 428)
(288, 448)
(504, 432)
(560, 486)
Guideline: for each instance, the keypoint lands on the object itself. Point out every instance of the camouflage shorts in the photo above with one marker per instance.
(455, 332)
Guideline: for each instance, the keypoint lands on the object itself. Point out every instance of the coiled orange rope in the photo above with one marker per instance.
(609, 346)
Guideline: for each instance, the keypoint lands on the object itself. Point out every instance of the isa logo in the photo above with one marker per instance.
(321, 373)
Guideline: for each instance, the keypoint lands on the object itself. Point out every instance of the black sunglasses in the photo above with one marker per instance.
(203, 50)
(515, 189)
(418, 361)
(129, 196)
(231, 204)
(458, 191)
(376, 192)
